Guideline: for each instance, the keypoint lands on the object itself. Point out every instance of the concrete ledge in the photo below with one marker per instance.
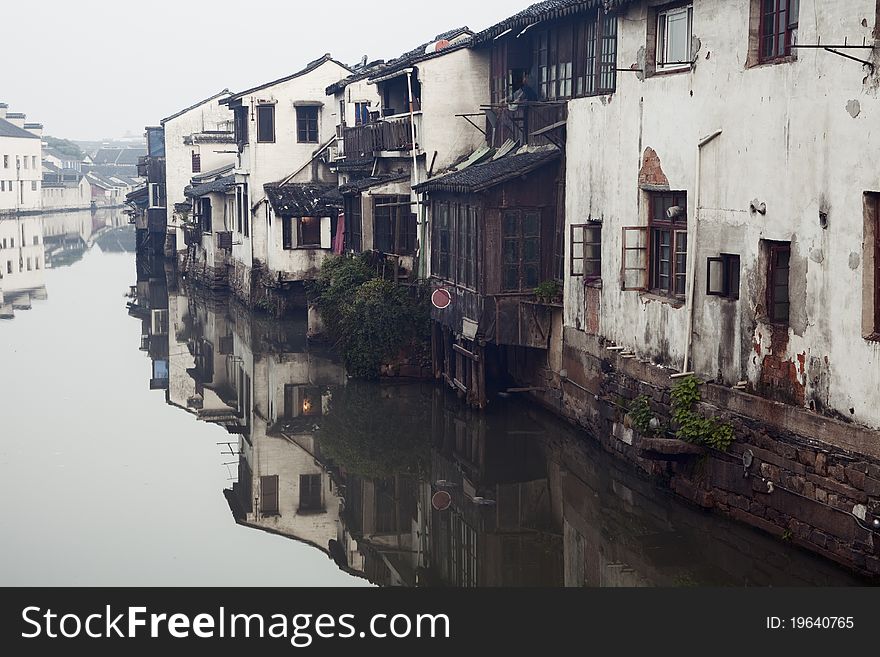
(667, 448)
(848, 437)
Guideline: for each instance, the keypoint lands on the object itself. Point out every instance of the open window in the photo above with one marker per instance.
(394, 225)
(668, 240)
(774, 30)
(674, 33)
(722, 276)
(777, 289)
(306, 232)
(586, 250)
(634, 261)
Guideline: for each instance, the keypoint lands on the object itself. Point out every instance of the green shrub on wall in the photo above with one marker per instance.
(372, 320)
(693, 427)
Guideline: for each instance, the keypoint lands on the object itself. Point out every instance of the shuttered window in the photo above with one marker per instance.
(521, 250)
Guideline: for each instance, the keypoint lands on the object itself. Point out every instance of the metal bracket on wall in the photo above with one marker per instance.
(835, 49)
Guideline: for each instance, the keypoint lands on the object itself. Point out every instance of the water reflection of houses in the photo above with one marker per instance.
(22, 263)
(354, 469)
(260, 381)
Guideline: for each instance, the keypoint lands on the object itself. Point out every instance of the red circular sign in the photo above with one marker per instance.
(441, 298)
(441, 500)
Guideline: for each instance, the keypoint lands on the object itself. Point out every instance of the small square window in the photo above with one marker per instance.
(674, 30)
(722, 276)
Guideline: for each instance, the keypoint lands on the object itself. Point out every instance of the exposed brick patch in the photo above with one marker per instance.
(651, 174)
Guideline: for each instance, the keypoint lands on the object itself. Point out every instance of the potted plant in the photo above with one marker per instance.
(549, 292)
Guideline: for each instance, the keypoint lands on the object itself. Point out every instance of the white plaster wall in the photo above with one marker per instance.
(209, 115)
(261, 163)
(788, 141)
(23, 237)
(21, 195)
(455, 83)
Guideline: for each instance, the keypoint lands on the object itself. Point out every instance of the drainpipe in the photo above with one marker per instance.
(421, 210)
(692, 257)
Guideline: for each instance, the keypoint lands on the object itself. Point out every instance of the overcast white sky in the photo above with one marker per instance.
(92, 69)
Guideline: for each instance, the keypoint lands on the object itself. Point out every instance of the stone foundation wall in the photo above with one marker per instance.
(812, 480)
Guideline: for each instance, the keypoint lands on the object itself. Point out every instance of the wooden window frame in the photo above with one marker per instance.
(677, 229)
(523, 286)
(730, 276)
(395, 208)
(240, 125)
(310, 502)
(661, 42)
(304, 124)
(262, 130)
(204, 214)
(301, 242)
(642, 245)
(788, 32)
(594, 230)
(196, 162)
(876, 201)
(354, 231)
(773, 249)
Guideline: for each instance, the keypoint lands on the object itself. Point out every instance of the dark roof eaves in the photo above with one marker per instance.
(312, 66)
(532, 15)
(192, 107)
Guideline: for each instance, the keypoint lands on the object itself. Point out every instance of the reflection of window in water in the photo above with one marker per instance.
(310, 492)
(269, 494)
(301, 401)
(160, 369)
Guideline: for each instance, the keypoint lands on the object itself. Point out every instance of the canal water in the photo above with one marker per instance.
(150, 435)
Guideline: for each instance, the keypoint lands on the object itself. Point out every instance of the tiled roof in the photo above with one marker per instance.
(358, 186)
(8, 129)
(360, 73)
(219, 185)
(130, 155)
(219, 171)
(418, 54)
(354, 163)
(311, 66)
(107, 155)
(483, 176)
(302, 199)
(542, 11)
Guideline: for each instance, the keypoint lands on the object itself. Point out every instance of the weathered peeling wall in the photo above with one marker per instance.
(795, 136)
(812, 480)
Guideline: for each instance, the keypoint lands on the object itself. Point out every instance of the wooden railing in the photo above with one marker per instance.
(394, 134)
(521, 123)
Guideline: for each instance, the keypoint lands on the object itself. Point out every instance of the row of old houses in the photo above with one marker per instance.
(36, 177)
(612, 195)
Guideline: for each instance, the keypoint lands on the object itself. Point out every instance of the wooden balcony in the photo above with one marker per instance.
(389, 134)
(522, 121)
